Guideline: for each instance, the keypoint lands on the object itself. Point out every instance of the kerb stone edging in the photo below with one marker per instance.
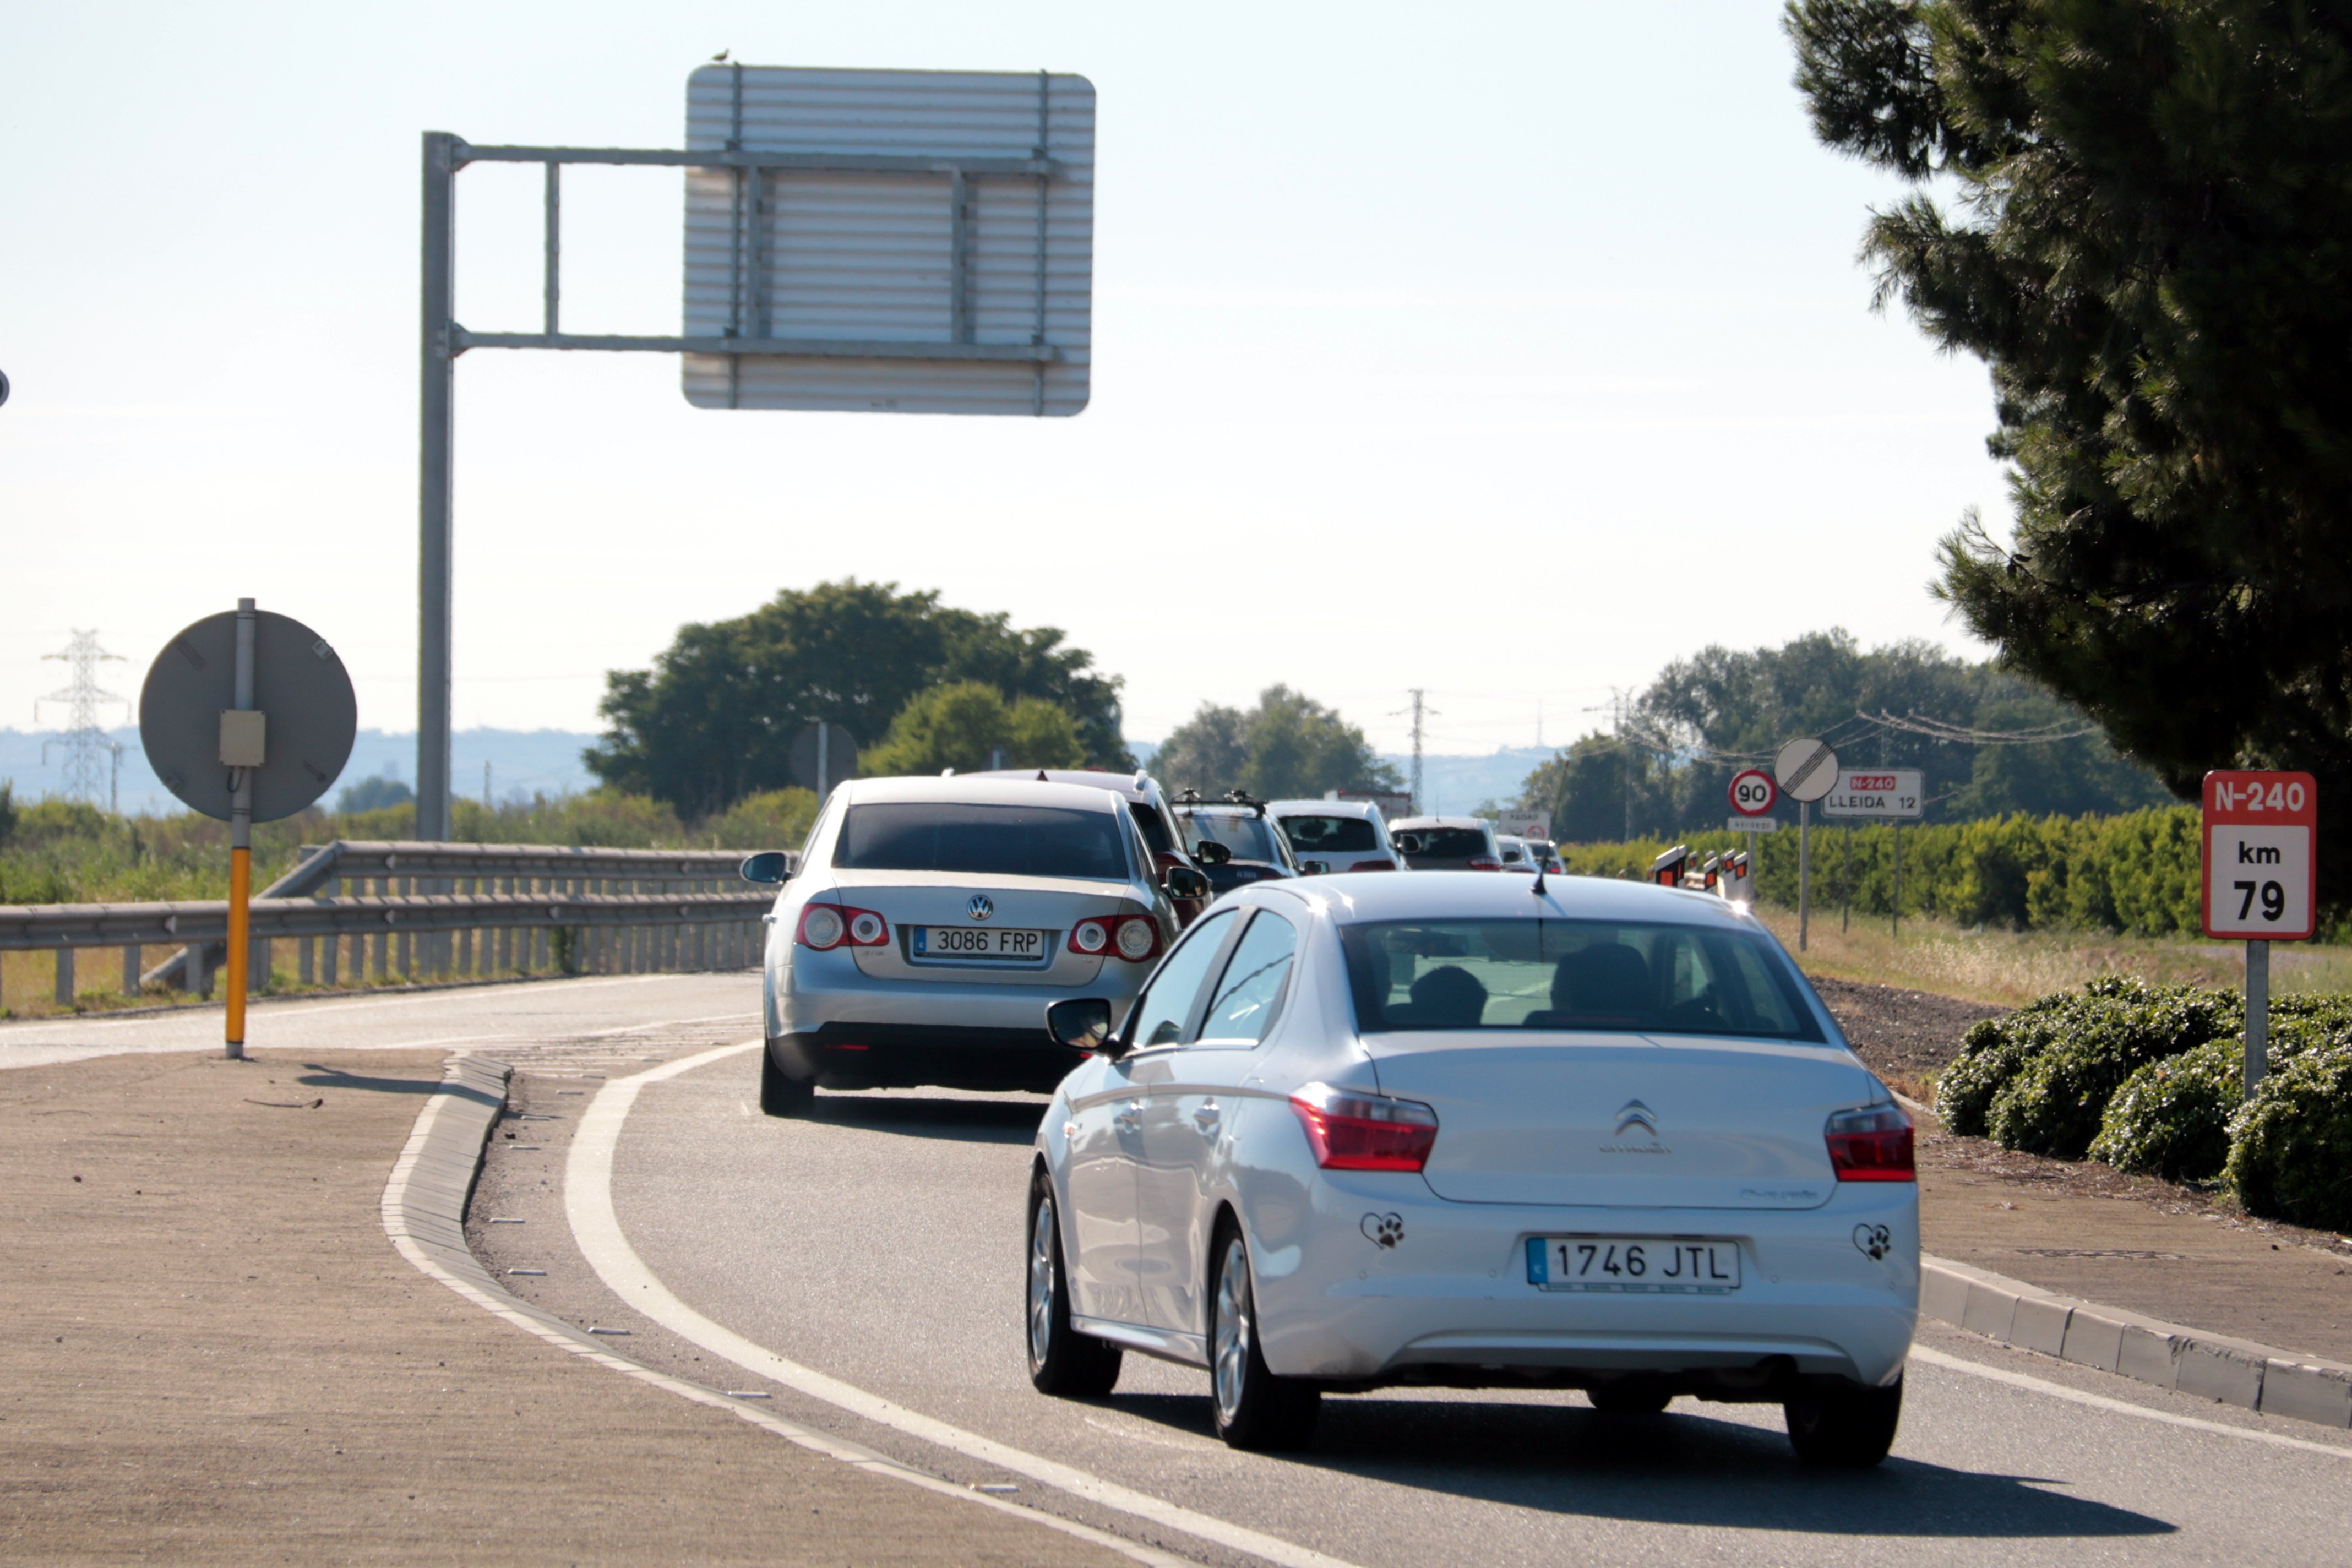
(2192, 1360)
(424, 1213)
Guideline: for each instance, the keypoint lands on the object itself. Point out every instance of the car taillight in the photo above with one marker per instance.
(1373, 865)
(1481, 864)
(1352, 1131)
(1138, 938)
(827, 926)
(1872, 1144)
(1090, 936)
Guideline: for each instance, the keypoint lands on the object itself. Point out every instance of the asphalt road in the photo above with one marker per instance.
(880, 1243)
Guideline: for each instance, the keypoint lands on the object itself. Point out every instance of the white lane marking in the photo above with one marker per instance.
(596, 1227)
(2120, 1407)
(393, 1211)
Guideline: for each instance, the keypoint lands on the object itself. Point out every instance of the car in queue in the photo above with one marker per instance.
(1330, 835)
(930, 920)
(1145, 802)
(1448, 843)
(1516, 854)
(1233, 839)
(1467, 1131)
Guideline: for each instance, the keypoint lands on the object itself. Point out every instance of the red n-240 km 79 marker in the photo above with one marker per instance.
(2262, 834)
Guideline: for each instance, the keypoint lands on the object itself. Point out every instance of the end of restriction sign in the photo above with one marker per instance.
(2261, 841)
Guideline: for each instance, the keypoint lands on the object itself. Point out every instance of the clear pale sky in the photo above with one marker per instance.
(1504, 351)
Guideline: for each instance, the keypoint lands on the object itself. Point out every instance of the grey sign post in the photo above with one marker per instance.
(1805, 771)
(822, 755)
(247, 717)
(914, 242)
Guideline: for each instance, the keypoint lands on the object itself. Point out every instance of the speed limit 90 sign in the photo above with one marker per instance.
(1753, 793)
(2262, 832)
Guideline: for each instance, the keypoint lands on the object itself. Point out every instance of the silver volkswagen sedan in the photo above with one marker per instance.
(932, 920)
(1472, 1130)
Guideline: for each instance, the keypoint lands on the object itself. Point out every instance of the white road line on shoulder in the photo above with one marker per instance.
(396, 1199)
(2121, 1407)
(596, 1227)
(304, 1007)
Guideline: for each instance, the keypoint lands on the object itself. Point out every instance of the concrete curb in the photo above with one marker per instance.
(424, 1213)
(2192, 1360)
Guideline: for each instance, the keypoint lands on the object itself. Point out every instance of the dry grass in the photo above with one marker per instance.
(2005, 968)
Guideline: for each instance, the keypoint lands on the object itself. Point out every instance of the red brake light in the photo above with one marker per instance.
(1483, 864)
(1352, 1131)
(1373, 865)
(1139, 939)
(827, 926)
(1872, 1144)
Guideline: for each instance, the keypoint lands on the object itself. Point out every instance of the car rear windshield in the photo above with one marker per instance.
(1452, 844)
(1249, 838)
(1330, 835)
(983, 841)
(1540, 974)
(1153, 827)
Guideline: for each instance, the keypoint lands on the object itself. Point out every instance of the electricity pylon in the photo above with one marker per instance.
(83, 742)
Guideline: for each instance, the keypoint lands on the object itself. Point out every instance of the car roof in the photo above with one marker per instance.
(1325, 807)
(1361, 895)
(1138, 785)
(1440, 822)
(958, 789)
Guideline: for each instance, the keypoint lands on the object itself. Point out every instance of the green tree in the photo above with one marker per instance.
(715, 718)
(1288, 746)
(968, 726)
(2149, 244)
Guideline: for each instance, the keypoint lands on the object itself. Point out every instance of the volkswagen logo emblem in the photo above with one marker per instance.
(981, 907)
(1632, 1114)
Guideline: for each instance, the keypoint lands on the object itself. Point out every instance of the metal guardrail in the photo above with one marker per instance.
(416, 909)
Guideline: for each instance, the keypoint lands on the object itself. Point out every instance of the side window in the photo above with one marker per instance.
(1248, 996)
(1166, 1006)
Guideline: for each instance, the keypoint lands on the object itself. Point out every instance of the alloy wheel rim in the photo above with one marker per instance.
(1041, 1281)
(1233, 1331)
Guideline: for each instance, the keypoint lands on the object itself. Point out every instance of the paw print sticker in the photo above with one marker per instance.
(1383, 1229)
(1873, 1241)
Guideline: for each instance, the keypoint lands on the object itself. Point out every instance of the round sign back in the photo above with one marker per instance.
(1806, 770)
(298, 681)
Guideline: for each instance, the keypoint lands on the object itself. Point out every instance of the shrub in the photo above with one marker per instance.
(2290, 1144)
(772, 819)
(2054, 1102)
(1996, 1050)
(2171, 1117)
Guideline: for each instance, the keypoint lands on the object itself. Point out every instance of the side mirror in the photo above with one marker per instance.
(1183, 882)
(768, 868)
(1083, 1024)
(1212, 853)
(1408, 842)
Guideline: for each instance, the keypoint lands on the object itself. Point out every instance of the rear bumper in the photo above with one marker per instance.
(898, 1056)
(1450, 1301)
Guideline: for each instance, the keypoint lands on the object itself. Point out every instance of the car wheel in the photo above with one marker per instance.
(1062, 1360)
(1254, 1409)
(1629, 1399)
(1845, 1428)
(780, 1095)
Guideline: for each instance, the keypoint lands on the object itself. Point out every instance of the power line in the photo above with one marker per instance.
(1943, 729)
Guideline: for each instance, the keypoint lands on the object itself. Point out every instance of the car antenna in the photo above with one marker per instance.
(1042, 778)
(1539, 889)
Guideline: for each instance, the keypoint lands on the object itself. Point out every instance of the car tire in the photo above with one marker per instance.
(1629, 1399)
(1253, 1408)
(1062, 1361)
(781, 1094)
(1845, 1428)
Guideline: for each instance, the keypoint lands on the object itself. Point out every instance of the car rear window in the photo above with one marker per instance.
(1545, 974)
(1152, 825)
(1452, 844)
(983, 841)
(1330, 835)
(1249, 838)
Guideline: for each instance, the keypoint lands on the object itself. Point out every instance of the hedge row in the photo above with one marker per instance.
(2137, 872)
(2151, 1079)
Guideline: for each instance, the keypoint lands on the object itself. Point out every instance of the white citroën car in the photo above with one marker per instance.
(1472, 1130)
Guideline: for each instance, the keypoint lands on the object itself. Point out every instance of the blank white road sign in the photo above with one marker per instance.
(900, 241)
(1876, 791)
